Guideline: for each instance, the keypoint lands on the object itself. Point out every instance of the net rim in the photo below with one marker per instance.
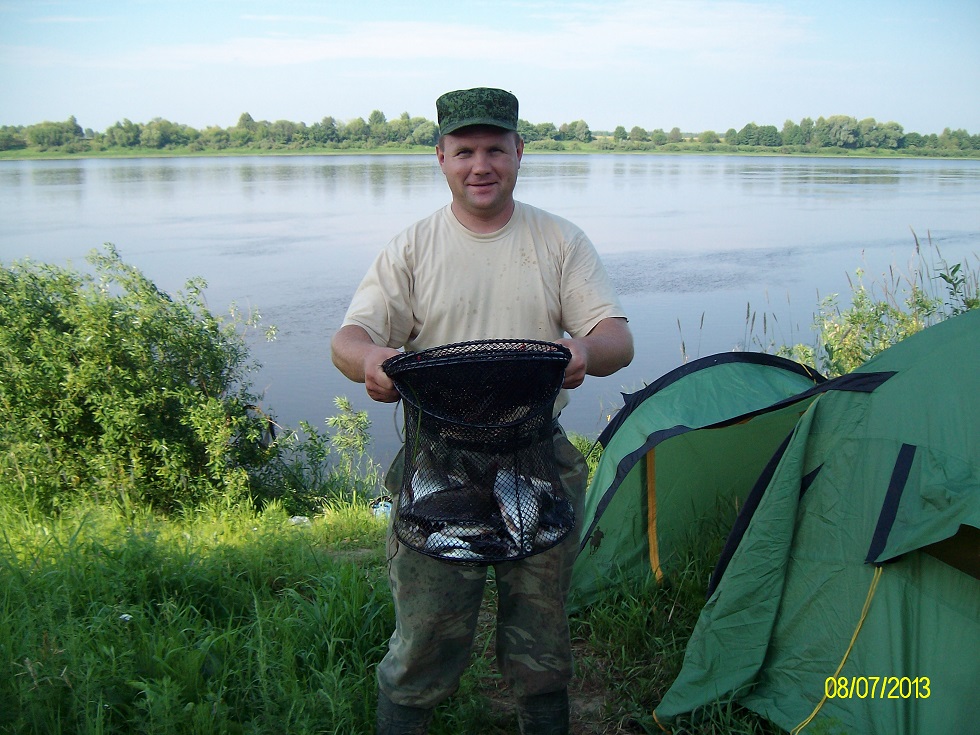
(471, 352)
(475, 351)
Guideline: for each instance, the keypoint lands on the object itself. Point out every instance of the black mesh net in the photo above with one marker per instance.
(480, 481)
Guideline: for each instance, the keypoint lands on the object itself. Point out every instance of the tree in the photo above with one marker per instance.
(842, 131)
(283, 131)
(913, 140)
(400, 130)
(769, 136)
(674, 136)
(806, 131)
(72, 129)
(892, 135)
(581, 131)
(215, 138)
(872, 134)
(324, 131)
(160, 133)
(791, 133)
(619, 134)
(821, 133)
(125, 134)
(731, 136)
(709, 137)
(426, 133)
(546, 131)
(749, 134)
(245, 122)
(51, 134)
(245, 131)
(658, 137)
(377, 127)
(355, 130)
(152, 136)
(526, 130)
(955, 140)
(11, 139)
(638, 134)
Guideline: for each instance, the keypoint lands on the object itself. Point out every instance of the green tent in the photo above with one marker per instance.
(685, 449)
(848, 599)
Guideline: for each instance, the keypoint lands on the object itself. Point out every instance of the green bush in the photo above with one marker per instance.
(113, 391)
(880, 313)
(319, 468)
(891, 309)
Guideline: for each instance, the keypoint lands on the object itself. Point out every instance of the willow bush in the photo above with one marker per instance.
(112, 390)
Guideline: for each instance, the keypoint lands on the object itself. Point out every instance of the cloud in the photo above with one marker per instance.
(65, 19)
(627, 36)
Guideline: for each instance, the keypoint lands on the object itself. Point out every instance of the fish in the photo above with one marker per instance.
(556, 510)
(494, 547)
(462, 504)
(518, 501)
(438, 541)
(463, 555)
(428, 480)
(548, 536)
(411, 534)
(470, 530)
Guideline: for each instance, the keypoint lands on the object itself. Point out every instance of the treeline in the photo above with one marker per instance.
(837, 133)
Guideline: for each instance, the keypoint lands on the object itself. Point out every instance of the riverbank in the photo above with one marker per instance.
(601, 147)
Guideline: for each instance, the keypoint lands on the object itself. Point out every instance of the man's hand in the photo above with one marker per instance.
(360, 359)
(376, 380)
(603, 351)
(575, 371)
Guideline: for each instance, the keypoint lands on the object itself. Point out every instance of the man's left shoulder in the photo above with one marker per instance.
(544, 219)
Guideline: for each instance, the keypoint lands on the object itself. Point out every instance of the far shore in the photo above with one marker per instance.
(670, 149)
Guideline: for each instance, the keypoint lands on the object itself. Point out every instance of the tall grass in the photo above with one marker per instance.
(221, 623)
(879, 312)
(234, 621)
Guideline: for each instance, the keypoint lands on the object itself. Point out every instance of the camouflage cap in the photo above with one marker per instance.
(480, 106)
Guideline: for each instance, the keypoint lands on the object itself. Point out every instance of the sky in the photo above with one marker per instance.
(693, 64)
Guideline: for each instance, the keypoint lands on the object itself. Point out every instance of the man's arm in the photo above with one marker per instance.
(603, 351)
(357, 356)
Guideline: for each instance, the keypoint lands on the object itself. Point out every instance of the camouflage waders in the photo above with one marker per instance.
(437, 605)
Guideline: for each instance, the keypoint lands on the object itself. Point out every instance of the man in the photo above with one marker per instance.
(484, 267)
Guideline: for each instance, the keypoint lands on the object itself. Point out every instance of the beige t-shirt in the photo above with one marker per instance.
(438, 283)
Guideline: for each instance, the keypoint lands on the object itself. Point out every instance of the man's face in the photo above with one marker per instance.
(481, 164)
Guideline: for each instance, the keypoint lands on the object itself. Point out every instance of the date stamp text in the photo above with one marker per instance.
(878, 687)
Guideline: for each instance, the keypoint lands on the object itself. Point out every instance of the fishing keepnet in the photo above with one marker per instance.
(481, 482)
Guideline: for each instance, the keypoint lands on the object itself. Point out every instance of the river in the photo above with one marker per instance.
(696, 245)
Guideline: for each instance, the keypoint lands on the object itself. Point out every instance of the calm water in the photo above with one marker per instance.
(691, 242)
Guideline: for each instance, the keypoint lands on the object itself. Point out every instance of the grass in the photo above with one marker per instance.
(225, 623)
(234, 621)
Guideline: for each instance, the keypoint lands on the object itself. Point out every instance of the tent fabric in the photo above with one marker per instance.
(685, 448)
(869, 486)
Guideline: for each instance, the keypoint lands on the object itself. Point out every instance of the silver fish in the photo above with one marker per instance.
(463, 505)
(518, 501)
(427, 480)
(462, 555)
(439, 541)
(547, 536)
(469, 530)
(411, 534)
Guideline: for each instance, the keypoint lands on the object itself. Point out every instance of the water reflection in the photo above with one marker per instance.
(71, 176)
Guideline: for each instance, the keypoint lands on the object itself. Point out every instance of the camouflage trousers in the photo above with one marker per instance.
(437, 605)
